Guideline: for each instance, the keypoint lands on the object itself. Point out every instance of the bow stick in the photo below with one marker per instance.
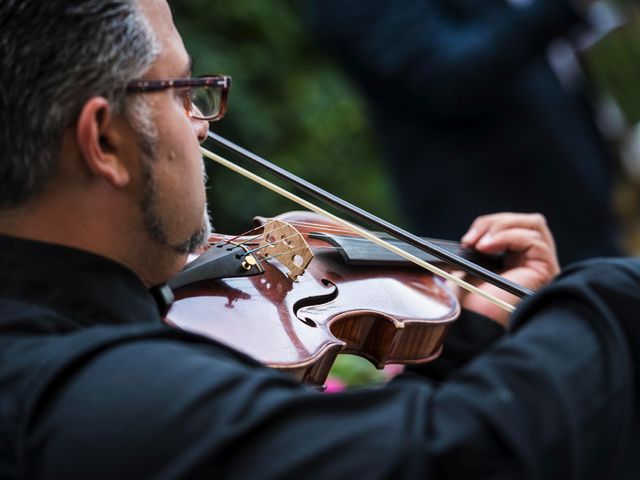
(451, 259)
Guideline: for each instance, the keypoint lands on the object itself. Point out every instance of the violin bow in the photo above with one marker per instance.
(344, 206)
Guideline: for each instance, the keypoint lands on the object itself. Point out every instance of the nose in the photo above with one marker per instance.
(201, 128)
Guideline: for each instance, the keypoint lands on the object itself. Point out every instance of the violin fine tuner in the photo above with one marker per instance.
(249, 262)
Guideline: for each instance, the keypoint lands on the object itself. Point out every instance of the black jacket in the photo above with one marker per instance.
(93, 385)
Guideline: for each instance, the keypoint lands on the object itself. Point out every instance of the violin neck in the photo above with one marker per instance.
(357, 251)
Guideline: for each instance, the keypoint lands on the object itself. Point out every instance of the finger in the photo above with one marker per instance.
(511, 240)
(489, 224)
(482, 224)
(527, 244)
(531, 221)
(477, 229)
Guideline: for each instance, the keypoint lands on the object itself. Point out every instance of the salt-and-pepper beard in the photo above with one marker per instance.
(154, 224)
(139, 115)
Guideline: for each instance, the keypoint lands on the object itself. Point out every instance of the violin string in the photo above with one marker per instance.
(301, 201)
(244, 234)
(320, 226)
(455, 246)
(272, 244)
(248, 241)
(254, 237)
(323, 228)
(288, 252)
(308, 224)
(331, 248)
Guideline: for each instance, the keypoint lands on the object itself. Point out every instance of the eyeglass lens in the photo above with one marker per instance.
(206, 101)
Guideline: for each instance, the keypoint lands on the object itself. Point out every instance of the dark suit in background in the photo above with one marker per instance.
(472, 118)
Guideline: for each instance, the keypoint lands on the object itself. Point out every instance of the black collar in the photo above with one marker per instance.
(85, 288)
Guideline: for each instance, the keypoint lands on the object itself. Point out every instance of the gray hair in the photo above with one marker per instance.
(54, 56)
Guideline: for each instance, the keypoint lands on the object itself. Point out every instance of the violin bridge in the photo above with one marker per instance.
(283, 242)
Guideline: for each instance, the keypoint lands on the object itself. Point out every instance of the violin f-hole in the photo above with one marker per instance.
(315, 300)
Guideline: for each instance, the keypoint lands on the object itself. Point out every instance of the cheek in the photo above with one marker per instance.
(176, 127)
(180, 149)
(188, 182)
(181, 188)
(184, 158)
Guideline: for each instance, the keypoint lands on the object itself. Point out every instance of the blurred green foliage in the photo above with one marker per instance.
(614, 65)
(289, 103)
(356, 371)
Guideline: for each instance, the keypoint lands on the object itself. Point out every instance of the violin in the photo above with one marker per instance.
(299, 319)
(308, 287)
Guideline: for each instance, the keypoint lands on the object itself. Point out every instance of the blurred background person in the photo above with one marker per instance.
(474, 118)
(294, 104)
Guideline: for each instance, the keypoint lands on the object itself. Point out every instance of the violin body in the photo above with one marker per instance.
(390, 314)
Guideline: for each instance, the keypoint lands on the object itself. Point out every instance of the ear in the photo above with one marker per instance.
(100, 140)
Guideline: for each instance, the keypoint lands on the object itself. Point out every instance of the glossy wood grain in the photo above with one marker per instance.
(387, 315)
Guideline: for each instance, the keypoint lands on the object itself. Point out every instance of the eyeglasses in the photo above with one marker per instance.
(205, 98)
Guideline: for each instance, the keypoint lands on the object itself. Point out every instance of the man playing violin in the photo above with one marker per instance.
(103, 197)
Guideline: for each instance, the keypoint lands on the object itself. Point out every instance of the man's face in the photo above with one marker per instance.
(173, 201)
